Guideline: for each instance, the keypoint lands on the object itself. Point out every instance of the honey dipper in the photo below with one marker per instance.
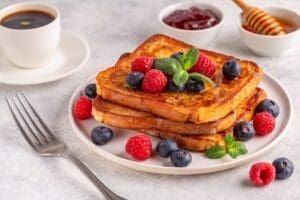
(259, 21)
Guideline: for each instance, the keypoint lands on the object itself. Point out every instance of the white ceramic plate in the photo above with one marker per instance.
(115, 150)
(73, 52)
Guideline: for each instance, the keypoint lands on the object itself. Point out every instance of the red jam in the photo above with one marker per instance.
(192, 19)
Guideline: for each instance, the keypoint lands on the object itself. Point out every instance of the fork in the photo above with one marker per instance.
(44, 142)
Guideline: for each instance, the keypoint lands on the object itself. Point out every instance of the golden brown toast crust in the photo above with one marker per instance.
(203, 142)
(124, 117)
(210, 105)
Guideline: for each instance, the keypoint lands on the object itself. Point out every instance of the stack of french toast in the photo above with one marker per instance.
(196, 121)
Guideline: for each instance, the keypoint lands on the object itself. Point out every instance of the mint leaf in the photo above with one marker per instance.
(232, 147)
(238, 148)
(215, 152)
(180, 77)
(229, 141)
(199, 77)
(167, 65)
(189, 59)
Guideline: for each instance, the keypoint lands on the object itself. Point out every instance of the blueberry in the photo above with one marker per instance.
(101, 135)
(269, 106)
(243, 131)
(181, 158)
(284, 168)
(231, 69)
(165, 147)
(134, 79)
(195, 86)
(175, 88)
(90, 91)
(176, 55)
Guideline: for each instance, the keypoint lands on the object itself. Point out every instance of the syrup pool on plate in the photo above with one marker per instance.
(193, 18)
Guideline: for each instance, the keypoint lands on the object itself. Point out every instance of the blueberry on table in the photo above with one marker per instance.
(134, 79)
(195, 86)
(231, 69)
(101, 135)
(165, 147)
(175, 88)
(243, 131)
(181, 158)
(269, 106)
(284, 168)
(90, 91)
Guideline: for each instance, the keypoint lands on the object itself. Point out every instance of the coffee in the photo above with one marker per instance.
(27, 19)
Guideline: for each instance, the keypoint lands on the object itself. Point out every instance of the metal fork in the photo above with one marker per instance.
(43, 141)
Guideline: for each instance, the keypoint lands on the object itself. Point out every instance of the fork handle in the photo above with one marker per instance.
(107, 193)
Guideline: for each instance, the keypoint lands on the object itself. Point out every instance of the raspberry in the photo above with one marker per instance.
(262, 173)
(264, 123)
(142, 64)
(204, 65)
(139, 147)
(154, 81)
(83, 108)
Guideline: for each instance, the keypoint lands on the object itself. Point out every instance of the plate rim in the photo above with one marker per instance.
(64, 75)
(173, 170)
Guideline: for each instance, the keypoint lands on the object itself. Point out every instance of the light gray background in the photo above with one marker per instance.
(111, 28)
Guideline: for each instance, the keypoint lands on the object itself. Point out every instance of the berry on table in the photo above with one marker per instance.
(284, 168)
(269, 106)
(181, 158)
(154, 81)
(90, 91)
(142, 64)
(134, 79)
(204, 65)
(243, 131)
(139, 147)
(262, 173)
(231, 69)
(101, 135)
(264, 123)
(165, 147)
(83, 108)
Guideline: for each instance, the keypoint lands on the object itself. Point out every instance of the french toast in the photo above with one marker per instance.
(203, 142)
(123, 117)
(213, 104)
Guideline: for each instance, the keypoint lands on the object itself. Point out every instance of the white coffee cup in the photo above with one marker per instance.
(30, 48)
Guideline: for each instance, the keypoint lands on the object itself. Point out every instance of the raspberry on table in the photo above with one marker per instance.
(262, 173)
(142, 64)
(139, 147)
(83, 108)
(154, 81)
(204, 66)
(264, 123)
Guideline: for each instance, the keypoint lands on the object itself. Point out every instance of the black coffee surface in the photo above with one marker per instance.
(27, 20)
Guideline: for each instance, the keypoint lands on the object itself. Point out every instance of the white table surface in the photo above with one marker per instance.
(111, 28)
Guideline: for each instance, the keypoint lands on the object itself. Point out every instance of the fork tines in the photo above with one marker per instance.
(29, 122)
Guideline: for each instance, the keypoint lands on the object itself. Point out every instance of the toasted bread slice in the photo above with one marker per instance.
(193, 142)
(211, 105)
(203, 142)
(124, 117)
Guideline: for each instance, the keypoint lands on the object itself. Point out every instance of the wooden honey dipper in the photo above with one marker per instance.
(259, 21)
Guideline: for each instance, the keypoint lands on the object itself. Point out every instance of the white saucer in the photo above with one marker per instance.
(73, 52)
(115, 151)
